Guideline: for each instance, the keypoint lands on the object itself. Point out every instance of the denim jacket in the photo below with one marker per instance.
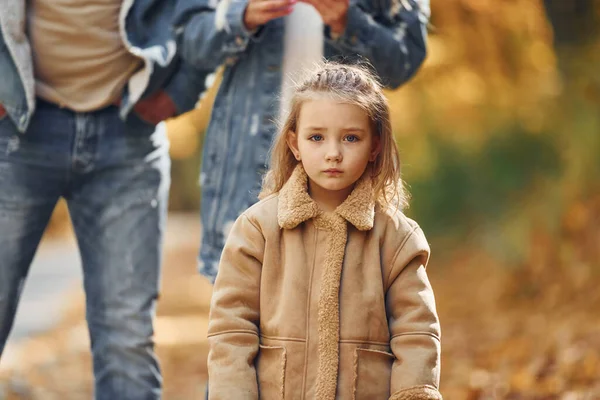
(390, 34)
(146, 29)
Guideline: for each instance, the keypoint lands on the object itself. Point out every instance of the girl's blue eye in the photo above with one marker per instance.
(316, 138)
(352, 138)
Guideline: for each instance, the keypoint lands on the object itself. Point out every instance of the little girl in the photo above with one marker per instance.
(322, 291)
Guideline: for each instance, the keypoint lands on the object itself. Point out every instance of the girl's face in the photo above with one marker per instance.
(335, 143)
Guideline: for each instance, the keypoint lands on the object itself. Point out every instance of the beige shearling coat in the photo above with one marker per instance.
(314, 305)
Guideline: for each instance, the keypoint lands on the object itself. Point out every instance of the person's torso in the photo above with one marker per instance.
(145, 26)
(261, 69)
(293, 272)
(79, 56)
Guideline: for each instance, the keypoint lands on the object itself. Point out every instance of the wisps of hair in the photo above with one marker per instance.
(353, 84)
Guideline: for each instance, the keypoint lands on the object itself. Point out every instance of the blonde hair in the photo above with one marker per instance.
(351, 84)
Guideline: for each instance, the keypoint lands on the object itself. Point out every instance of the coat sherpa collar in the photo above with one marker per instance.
(296, 206)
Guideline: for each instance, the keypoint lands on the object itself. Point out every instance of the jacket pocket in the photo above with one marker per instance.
(270, 369)
(372, 373)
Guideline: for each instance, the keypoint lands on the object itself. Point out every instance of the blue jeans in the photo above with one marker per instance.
(114, 176)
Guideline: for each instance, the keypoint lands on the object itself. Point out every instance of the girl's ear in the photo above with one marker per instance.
(375, 148)
(292, 141)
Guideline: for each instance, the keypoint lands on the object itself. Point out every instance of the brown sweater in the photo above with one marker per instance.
(80, 59)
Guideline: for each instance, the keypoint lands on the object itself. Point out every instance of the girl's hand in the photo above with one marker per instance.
(259, 12)
(333, 12)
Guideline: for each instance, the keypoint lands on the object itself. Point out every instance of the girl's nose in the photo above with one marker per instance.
(333, 154)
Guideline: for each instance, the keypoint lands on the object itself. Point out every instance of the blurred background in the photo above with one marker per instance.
(500, 140)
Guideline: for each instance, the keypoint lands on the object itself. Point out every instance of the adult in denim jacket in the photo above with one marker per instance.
(390, 34)
(111, 166)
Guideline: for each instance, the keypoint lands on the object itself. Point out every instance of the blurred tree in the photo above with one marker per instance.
(490, 63)
(573, 21)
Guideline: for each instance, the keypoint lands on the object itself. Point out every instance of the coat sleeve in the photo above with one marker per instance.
(394, 43)
(211, 32)
(414, 325)
(234, 315)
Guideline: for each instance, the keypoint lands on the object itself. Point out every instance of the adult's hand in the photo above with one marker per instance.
(156, 108)
(259, 12)
(333, 12)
